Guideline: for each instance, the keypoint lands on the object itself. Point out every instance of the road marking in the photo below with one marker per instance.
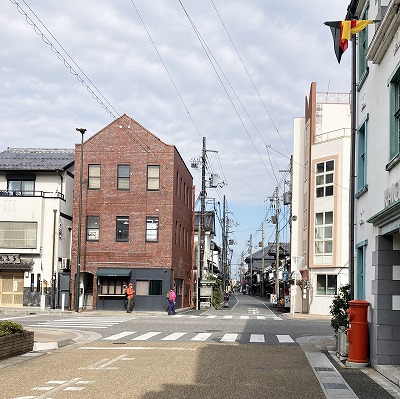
(284, 338)
(146, 336)
(201, 337)
(139, 348)
(257, 338)
(260, 317)
(211, 317)
(118, 336)
(229, 337)
(173, 336)
(103, 364)
(244, 317)
(228, 317)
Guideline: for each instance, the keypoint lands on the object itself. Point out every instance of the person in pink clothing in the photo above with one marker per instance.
(171, 300)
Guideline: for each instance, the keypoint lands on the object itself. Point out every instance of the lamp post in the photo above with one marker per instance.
(78, 256)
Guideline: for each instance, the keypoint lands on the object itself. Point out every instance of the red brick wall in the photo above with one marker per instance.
(126, 142)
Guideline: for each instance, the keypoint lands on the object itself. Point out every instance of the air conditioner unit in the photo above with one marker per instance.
(65, 263)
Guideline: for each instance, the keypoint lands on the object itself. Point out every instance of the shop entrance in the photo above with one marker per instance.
(11, 289)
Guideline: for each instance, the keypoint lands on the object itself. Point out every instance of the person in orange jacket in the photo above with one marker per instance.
(129, 293)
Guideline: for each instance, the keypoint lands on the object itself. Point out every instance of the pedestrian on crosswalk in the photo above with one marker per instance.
(171, 301)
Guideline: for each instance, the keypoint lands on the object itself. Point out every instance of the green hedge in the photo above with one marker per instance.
(10, 327)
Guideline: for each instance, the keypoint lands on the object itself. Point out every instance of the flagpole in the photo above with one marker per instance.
(352, 162)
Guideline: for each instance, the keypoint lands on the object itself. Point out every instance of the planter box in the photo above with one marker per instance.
(16, 344)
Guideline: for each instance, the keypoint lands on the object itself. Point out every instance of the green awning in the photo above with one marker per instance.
(111, 272)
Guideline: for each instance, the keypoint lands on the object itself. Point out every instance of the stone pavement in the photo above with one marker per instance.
(320, 352)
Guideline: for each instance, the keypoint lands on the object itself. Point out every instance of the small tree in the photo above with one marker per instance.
(339, 307)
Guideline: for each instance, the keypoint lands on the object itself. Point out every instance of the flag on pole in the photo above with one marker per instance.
(342, 31)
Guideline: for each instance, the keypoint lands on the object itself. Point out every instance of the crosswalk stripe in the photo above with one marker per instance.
(173, 336)
(146, 336)
(260, 317)
(201, 336)
(229, 337)
(245, 317)
(120, 335)
(228, 317)
(257, 338)
(284, 338)
(211, 317)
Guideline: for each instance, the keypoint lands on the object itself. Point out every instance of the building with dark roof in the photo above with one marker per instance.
(36, 195)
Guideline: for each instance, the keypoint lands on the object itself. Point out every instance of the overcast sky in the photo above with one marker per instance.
(234, 71)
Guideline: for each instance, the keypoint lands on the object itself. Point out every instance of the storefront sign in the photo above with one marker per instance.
(392, 193)
(9, 258)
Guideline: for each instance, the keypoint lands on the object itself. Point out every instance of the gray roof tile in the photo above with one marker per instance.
(36, 158)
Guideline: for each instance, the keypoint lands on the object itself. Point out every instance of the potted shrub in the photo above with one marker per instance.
(14, 339)
(340, 320)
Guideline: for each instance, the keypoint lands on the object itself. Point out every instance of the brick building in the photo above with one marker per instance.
(136, 219)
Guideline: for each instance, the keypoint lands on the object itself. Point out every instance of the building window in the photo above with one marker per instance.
(92, 228)
(394, 115)
(362, 158)
(361, 262)
(148, 287)
(324, 233)
(18, 234)
(326, 284)
(20, 187)
(362, 51)
(324, 179)
(122, 234)
(94, 172)
(153, 177)
(152, 229)
(123, 178)
(111, 287)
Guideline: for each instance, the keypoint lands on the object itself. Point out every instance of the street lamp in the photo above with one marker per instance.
(78, 256)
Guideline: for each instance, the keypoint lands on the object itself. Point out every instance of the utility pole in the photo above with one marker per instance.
(277, 242)
(203, 207)
(224, 244)
(251, 263)
(262, 260)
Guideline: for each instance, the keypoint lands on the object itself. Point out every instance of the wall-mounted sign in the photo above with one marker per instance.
(10, 258)
(392, 193)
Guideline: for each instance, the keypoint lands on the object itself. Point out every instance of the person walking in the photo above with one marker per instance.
(171, 300)
(129, 293)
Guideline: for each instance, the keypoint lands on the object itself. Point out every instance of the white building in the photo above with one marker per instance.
(36, 192)
(377, 185)
(320, 199)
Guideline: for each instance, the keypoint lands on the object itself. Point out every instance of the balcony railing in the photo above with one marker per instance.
(43, 194)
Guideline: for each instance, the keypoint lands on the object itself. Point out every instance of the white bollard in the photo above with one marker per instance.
(62, 302)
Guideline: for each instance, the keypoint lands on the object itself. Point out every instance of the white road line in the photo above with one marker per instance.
(244, 317)
(118, 336)
(229, 338)
(277, 318)
(284, 338)
(66, 326)
(201, 337)
(173, 336)
(211, 317)
(228, 317)
(257, 338)
(260, 317)
(146, 336)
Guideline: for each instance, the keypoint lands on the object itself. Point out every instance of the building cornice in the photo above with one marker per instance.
(385, 33)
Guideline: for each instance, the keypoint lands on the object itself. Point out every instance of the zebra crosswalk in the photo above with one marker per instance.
(228, 317)
(82, 322)
(199, 337)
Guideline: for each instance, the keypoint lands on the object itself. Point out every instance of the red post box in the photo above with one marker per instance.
(357, 334)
